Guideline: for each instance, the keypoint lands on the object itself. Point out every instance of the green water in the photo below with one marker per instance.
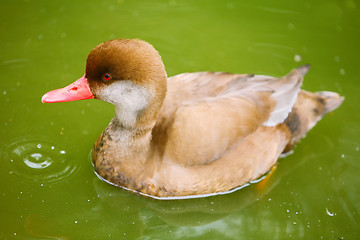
(48, 187)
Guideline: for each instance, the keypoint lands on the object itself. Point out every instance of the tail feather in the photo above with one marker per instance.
(332, 100)
(308, 110)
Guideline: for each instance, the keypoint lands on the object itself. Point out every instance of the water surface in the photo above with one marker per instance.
(48, 187)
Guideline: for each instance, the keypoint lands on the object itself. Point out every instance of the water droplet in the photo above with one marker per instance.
(4, 92)
(342, 155)
(342, 71)
(34, 160)
(297, 58)
(76, 221)
(330, 213)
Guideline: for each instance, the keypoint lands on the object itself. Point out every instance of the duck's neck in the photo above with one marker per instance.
(130, 141)
(120, 153)
(129, 133)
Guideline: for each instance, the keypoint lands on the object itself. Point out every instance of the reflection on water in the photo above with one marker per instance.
(38, 160)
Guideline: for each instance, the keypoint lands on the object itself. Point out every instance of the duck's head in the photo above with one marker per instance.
(127, 73)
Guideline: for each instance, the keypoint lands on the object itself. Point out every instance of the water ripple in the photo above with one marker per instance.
(39, 161)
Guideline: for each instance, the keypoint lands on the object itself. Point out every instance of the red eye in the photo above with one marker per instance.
(106, 77)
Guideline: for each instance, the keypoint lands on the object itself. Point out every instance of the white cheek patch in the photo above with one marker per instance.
(128, 98)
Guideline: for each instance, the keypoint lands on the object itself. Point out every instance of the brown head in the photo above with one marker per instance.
(127, 73)
(125, 59)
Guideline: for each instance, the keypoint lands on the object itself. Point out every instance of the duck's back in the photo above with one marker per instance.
(205, 114)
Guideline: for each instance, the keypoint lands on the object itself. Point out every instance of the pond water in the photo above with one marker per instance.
(48, 186)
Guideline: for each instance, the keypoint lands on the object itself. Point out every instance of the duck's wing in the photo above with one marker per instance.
(207, 114)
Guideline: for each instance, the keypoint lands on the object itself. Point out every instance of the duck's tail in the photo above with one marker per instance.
(308, 110)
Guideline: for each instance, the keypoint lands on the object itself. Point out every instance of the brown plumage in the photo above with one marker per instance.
(194, 133)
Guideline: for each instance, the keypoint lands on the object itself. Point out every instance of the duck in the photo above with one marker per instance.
(194, 134)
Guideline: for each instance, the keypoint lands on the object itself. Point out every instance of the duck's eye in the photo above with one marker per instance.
(106, 77)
